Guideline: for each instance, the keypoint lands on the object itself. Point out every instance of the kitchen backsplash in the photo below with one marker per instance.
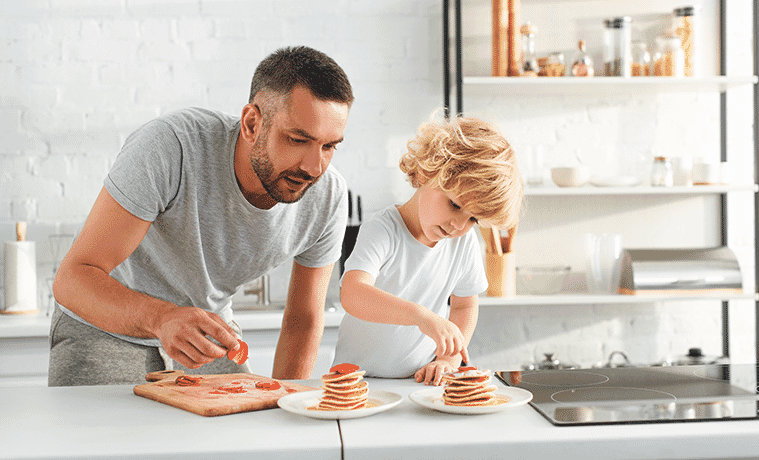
(80, 75)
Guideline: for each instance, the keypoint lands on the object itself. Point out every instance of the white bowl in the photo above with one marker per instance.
(543, 279)
(570, 176)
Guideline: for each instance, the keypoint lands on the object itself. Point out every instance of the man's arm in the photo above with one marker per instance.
(303, 323)
(83, 285)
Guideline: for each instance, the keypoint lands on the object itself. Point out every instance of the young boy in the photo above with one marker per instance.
(410, 259)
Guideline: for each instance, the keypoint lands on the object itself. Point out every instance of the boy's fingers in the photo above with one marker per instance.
(465, 355)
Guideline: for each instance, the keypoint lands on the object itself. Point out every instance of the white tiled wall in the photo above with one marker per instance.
(79, 75)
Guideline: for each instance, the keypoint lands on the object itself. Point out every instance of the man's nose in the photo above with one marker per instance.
(313, 161)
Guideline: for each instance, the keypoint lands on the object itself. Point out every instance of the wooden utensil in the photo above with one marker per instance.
(219, 394)
(495, 234)
(492, 240)
(507, 242)
(514, 39)
(500, 43)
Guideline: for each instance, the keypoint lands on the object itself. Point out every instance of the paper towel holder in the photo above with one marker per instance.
(20, 275)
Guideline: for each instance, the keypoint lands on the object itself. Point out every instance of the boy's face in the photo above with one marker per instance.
(441, 215)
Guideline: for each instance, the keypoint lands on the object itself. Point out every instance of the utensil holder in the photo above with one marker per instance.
(500, 270)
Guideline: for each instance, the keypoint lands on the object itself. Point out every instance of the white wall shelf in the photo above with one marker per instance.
(587, 299)
(599, 86)
(551, 190)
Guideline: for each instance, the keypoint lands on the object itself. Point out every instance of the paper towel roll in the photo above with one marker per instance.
(20, 278)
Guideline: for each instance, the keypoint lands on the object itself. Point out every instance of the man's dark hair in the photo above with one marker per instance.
(288, 67)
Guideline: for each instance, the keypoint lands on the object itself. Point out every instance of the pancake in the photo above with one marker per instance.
(469, 387)
(343, 389)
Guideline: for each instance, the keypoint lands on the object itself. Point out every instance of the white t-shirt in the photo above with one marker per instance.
(408, 269)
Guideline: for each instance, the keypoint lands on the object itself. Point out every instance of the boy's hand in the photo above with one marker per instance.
(433, 372)
(448, 337)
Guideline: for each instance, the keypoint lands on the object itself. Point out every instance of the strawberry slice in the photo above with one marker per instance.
(241, 355)
(345, 368)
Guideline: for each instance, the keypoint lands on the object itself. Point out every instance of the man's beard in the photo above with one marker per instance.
(275, 185)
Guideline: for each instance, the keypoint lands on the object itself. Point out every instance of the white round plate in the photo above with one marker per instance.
(298, 403)
(615, 181)
(432, 398)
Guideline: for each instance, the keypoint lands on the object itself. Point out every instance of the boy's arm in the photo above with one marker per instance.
(464, 311)
(360, 298)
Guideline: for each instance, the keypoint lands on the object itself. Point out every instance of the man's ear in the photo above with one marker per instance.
(250, 121)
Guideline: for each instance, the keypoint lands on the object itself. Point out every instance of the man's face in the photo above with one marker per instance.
(295, 145)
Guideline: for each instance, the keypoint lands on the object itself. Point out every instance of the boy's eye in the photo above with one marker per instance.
(455, 206)
(473, 219)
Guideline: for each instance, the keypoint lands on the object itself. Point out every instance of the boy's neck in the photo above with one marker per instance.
(410, 214)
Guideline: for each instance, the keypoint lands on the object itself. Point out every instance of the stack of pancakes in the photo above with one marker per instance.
(469, 387)
(344, 389)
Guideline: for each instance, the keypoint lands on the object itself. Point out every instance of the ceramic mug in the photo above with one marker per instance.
(707, 173)
(603, 265)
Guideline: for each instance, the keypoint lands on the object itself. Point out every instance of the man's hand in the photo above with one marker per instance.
(184, 333)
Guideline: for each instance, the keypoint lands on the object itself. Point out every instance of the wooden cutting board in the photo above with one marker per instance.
(213, 395)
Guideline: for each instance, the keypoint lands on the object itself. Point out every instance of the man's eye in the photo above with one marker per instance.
(298, 141)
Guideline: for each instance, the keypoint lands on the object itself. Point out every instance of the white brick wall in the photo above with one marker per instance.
(80, 75)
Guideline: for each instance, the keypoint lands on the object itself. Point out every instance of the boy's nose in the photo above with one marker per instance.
(460, 222)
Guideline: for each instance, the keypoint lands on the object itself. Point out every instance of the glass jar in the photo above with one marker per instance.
(686, 28)
(661, 173)
(641, 60)
(530, 67)
(582, 63)
(617, 55)
(669, 60)
(554, 66)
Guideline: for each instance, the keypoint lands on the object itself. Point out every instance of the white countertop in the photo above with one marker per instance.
(38, 324)
(110, 421)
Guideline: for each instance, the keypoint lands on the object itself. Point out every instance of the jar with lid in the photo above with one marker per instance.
(553, 66)
(530, 67)
(686, 28)
(661, 173)
(617, 57)
(582, 63)
(668, 58)
(641, 60)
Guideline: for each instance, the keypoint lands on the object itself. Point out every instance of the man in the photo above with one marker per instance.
(196, 204)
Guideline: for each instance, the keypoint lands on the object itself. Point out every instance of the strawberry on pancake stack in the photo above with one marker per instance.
(469, 387)
(343, 388)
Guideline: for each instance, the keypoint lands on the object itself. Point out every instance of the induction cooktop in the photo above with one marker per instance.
(600, 396)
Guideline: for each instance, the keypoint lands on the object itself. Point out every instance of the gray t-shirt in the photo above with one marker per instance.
(206, 239)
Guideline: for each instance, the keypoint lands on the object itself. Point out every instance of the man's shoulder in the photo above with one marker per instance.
(191, 117)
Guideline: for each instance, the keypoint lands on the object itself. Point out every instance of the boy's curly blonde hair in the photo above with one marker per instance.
(471, 159)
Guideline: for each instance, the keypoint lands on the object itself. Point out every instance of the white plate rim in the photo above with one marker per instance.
(297, 403)
(431, 398)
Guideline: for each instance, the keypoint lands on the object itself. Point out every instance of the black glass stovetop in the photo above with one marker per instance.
(641, 394)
